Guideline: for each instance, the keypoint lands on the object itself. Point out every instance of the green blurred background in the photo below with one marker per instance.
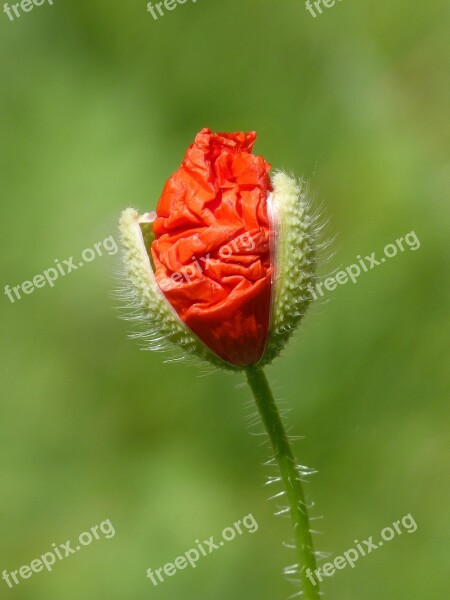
(98, 104)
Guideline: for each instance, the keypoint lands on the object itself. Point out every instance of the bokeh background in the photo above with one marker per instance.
(98, 103)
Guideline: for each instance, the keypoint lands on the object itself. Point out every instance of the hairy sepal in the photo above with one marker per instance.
(295, 258)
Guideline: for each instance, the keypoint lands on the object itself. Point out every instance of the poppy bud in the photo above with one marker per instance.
(224, 268)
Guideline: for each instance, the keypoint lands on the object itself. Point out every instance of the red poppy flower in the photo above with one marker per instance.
(211, 252)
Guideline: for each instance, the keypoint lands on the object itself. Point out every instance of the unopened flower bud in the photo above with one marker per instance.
(224, 268)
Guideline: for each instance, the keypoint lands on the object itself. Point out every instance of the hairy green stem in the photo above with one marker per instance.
(290, 477)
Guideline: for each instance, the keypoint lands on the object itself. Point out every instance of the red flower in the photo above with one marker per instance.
(212, 245)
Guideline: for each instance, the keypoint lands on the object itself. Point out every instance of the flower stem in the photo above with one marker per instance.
(290, 476)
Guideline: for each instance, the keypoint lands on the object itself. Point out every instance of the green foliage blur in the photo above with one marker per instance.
(98, 103)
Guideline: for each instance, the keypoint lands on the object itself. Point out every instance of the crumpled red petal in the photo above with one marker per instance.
(212, 244)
